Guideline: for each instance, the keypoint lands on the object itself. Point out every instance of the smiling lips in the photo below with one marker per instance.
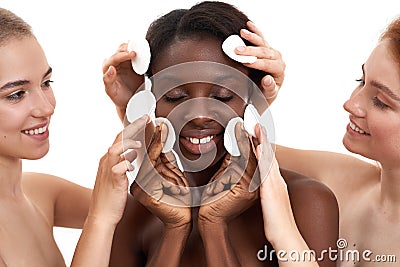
(203, 140)
(357, 129)
(36, 131)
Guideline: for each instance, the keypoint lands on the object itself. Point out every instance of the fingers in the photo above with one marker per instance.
(120, 56)
(268, 60)
(264, 153)
(227, 180)
(242, 141)
(132, 130)
(155, 147)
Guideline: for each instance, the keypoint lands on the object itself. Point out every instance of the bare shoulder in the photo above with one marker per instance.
(63, 202)
(307, 193)
(315, 209)
(45, 185)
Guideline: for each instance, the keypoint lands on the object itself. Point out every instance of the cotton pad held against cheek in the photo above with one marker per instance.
(229, 45)
(251, 118)
(230, 141)
(141, 62)
(141, 103)
(170, 141)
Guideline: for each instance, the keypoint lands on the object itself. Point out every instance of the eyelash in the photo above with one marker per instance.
(177, 99)
(47, 83)
(18, 95)
(223, 99)
(360, 81)
(378, 103)
(173, 99)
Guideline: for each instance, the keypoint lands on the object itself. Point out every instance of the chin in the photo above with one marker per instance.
(356, 150)
(37, 155)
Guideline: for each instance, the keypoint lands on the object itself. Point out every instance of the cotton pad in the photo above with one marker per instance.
(141, 103)
(230, 142)
(229, 45)
(170, 141)
(141, 62)
(251, 118)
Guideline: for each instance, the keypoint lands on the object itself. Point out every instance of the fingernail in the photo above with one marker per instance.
(145, 118)
(268, 81)
(246, 31)
(109, 71)
(240, 48)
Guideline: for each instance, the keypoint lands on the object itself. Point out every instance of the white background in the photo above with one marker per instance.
(323, 44)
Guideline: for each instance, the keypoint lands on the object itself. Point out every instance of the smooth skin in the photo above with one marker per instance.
(211, 238)
(367, 193)
(31, 204)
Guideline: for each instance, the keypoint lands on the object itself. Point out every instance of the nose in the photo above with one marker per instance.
(201, 109)
(356, 103)
(43, 103)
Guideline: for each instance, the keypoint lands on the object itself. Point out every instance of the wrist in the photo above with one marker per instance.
(99, 223)
(284, 237)
(183, 229)
(212, 227)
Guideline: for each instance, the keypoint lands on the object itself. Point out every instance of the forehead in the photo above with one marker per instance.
(22, 59)
(198, 59)
(382, 66)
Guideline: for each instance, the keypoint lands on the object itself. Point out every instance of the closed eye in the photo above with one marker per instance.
(378, 103)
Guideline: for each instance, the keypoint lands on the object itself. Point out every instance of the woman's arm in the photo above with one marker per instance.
(108, 199)
(279, 223)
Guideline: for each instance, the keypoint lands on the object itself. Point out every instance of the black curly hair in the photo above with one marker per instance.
(212, 18)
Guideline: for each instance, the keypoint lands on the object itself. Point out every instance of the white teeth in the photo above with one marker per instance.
(355, 128)
(203, 140)
(36, 131)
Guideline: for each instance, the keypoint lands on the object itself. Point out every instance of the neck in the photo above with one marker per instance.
(390, 185)
(10, 177)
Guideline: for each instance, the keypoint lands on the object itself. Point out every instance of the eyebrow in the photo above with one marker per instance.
(22, 82)
(386, 90)
(383, 87)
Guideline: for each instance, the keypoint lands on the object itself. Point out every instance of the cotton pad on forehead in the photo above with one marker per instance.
(229, 45)
(141, 62)
(141, 103)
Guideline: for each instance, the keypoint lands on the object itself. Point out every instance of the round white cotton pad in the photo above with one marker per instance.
(140, 63)
(230, 141)
(141, 103)
(229, 45)
(251, 118)
(171, 138)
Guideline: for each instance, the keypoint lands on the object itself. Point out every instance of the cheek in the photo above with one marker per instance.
(238, 107)
(386, 132)
(162, 110)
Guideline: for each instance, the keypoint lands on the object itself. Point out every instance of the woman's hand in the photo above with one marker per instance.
(111, 187)
(160, 186)
(228, 195)
(120, 81)
(277, 211)
(268, 60)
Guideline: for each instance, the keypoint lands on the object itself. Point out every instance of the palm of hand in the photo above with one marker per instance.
(161, 187)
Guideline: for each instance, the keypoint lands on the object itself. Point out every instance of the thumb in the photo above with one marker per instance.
(109, 78)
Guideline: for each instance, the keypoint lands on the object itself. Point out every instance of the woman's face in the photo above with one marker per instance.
(26, 100)
(374, 107)
(199, 89)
